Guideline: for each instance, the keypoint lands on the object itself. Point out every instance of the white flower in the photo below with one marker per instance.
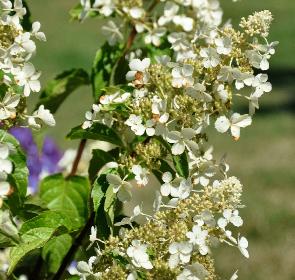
(154, 36)
(28, 77)
(4, 190)
(86, 6)
(195, 271)
(211, 57)
(135, 123)
(235, 123)
(230, 216)
(198, 91)
(261, 85)
(159, 108)
(116, 98)
(181, 140)
(204, 171)
(180, 253)
(112, 32)
(138, 70)
(243, 245)
(224, 45)
(181, 46)
(93, 235)
(19, 8)
(141, 175)
(170, 10)
(4, 151)
(222, 93)
(257, 60)
(182, 76)
(167, 186)
(128, 220)
(253, 103)
(6, 166)
(85, 269)
(138, 255)
(35, 31)
(105, 7)
(90, 116)
(23, 43)
(228, 74)
(44, 115)
(8, 106)
(136, 12)
(244, 79)
(120, 187)
(198, 237)
(185, 22)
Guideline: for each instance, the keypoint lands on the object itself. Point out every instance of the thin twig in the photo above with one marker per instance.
(78, 157)
(75, 246)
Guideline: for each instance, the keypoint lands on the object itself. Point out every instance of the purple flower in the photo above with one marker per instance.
(37, 164)
(50, 157)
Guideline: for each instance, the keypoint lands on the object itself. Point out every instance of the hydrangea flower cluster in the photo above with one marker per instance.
(167, 72)
(194, 70)
(18, 75)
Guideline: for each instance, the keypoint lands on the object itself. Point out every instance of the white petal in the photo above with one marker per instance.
(167, 177)
(4, 189)
(188, 133)
(243, 121)
(6, 166)
(235, 131)
(222, 124)
(165, 189)
(4, 151)
(178, 148)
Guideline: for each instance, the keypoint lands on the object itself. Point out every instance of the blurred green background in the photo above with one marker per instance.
(264, 158)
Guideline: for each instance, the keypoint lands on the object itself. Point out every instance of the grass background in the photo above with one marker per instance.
(263, 159)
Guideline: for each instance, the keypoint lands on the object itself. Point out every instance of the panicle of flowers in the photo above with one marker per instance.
(18, 75)
(172, 99)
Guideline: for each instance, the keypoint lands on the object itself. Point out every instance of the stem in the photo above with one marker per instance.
(71, 253)
(78, 157)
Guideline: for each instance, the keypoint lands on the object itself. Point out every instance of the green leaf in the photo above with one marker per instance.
(19, 176)
(181, 165)
(101, 206)
(61, 87)
(31, 240)
(68, 196)
(109, 206)
(99, 189)
(55, 250)
(104, 68)
(97, 131)
(180, 161)
(75, 12)
(98, 160)
(50, 219)
(5, 241)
